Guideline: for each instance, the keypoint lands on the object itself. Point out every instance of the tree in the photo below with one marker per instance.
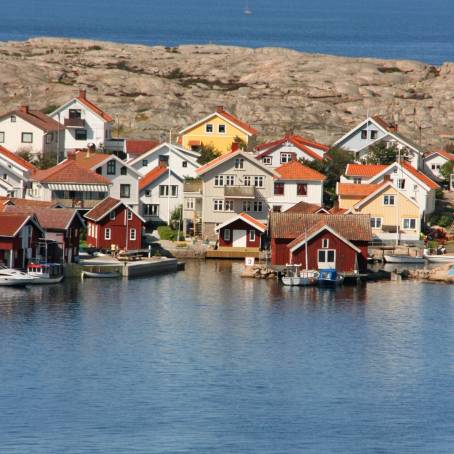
(207, 154)
(240, 142)
(446, 170)
(26, 155)
(46, 160)
(382, 153)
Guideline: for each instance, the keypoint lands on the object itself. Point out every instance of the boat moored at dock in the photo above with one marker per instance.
(403, 258)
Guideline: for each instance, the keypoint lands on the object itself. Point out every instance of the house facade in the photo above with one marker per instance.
(433, 163)
(15, 174)
(373, 131)
(332, 241)
(241, 231)
(27, 130)
(219, 130)
(112, 224)
(84, 123)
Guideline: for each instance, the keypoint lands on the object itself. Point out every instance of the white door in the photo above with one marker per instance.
(239, 238)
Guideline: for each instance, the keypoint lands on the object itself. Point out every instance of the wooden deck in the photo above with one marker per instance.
(233, 253)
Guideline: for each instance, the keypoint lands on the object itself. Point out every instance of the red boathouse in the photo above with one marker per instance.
(241, 231)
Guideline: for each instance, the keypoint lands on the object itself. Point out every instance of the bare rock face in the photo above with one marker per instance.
(152, 90)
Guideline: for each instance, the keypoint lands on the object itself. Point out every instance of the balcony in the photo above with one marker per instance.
(239, 192)
(74, 123)
(76, 203)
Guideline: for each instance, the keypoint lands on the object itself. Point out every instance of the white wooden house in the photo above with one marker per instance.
(15, 174)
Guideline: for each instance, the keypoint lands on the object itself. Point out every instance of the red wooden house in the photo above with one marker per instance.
(19, 235)
(241, 231)
(112, 222)
(332, 241)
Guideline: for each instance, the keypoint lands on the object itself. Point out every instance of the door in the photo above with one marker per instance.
(326, 258)
(239, 238)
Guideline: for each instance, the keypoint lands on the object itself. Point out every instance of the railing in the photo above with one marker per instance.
(77, 203)
(239, 192)
(74, 123)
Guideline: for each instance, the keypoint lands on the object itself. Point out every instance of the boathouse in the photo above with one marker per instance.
(332, 241)
(241, 231)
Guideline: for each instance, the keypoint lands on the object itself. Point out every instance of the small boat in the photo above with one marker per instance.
(403, 258)
(329, 278)
(45, 273)
(10, 277)
(247, 10)
(100, 274)
(441, 258)
(295, 277)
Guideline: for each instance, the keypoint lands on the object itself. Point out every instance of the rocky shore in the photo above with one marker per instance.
(152, 90)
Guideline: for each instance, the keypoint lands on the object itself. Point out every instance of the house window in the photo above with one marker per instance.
(163, 160)
(325, 243)
(375, 223)
(267, 160)
(129, 215)
(247, 180)
(219, 180)
(356, 180)
(75, 113)
(388, 200)
(13, 118)
(112, 215)
(81, 134)
(221, 129)
(278, 188)
(2, 137)
(326, 257)
(125, 191)
(258, 181)
(230, 180)
(246, 205)
(144, 162)
(277, 208)
(209, 128)
(373, 134)
(163, 190)
(190, 203)
(123, 171)
(27, 137)
(107, 234)
(99, 170)
(364, 134)
(409, 224)
(433, 166)
(111, 167)
(132, 235)
(401, 183)
(151, 209)
(218, 205)
(184, 164)
(174, 190)
(301, 189)
(239, 163)
(258, 206)
(229, 205)
(147, 193)
(226, 234)
(251, 235)
(286, 157)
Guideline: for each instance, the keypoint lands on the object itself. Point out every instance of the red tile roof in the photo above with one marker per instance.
(83, 100)
(311, 143)
(24, 203)
(37, 118)
(291, 225)
(102, 209)
(383, 123)
(69, 172)
(297, 141)
(241, 124)
(88, 161)
(364, 170)
(424, 178)
(17, 159)
(10, 223)
(151, 176)
(138, 147)
(304, 207)
(253, 221)
(295, 170)
(307, 233)
(356, 190)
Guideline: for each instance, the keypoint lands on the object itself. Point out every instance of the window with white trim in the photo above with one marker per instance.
(230, 180)
(258, 206)
(409, 223)
(209, 128)
(267, 160)
(388, 200)
(132, 234)
(246, 205)
(364, 134)
(356, 180)
(107, 233)
(226, 234)
(373, 134)
(190, 203)
(247, 180)
(219, 180)
(112, 215)
(401, 183)
(151, 209)
(286, 157)
(147, 193)
(375, 223)
(144, 162)
(325, 243)
(228, 205)
(259, 181)
(129, 215)
(218, 205)
(221, 129)
(239, 163)
(251, 235)
(326, 256)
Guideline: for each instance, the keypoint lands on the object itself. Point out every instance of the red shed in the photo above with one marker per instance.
(241, 231)
(112, 222)
(333, 241)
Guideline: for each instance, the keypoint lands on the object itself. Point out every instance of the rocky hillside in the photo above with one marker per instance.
(150, 90)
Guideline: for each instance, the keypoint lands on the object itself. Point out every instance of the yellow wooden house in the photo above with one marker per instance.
(393, 215)
(219, 129)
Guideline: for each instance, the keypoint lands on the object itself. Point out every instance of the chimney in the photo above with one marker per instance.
(387, 178)
(393, 127)
(71, 156)
(91, 148)
(235, 147)
(24, 109)
(83, 94)
(219, 108)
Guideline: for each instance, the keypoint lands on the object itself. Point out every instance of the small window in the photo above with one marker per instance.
(267, 160)
(99, 170)
(218, 205)
(230, 180)
(147, 193)
(209, 128)
(125, 191)
(278, 188)
(107, 235)
(259, 181)
(75, 113)
(123, 171)
(163, 190)
(388, 200)
(356, 180)
(373, 134)
(2, 137)
(258, 207)
(226, 234)
(27, 137)
(151, 210)
(247, 180)
(190, 203)
(375, 223)
(364, 134)
(277, 208)
(325, 243)
(219, 180)
(144, 162)
(401, 183)
(174, 189)
(229, 205)
(13, 118)
(111, 167)
(433, 166)
(246, 205)
(5, 176)
(129, 215)
(184, 164)
(221, 129)
(132, 234)
(409, 224)
(286, 157)
(81, 134)
(112, 215)
(301, 189)
(239, 163)
(251, 235)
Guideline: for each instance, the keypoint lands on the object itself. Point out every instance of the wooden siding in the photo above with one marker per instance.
(239, 225)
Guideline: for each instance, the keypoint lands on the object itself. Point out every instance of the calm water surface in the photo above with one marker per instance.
(205, 362)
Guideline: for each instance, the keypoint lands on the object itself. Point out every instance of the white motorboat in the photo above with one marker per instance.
(441, 258)
(296, 277)
(101, 274)
(10, 277)
(403, 258)
(45, 273)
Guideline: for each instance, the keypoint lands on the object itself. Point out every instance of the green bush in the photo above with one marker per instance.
(167, 233)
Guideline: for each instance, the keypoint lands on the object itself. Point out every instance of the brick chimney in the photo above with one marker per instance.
(393, 127)
(24, 109)
(83, 94)
(387, 178)
(219, 108)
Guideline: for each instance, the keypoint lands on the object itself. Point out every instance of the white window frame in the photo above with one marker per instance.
(268, 160)
(219, 181)
(190, 203)
(230, 180)
(226, 235)
(132, 235)
(325, 243)
(208, 125)
(219, 128)
(247, 206)
(388, 197)
(112, 215)
(401, 183)
(228, 205)
(252, 235)
(257, 179)
(285, 157)
(258, 206)
(218, 205)
(357, 180)
(239, 163)
(148, 193)
(247, 180)
(107, 233)
(325, 253)
(129, 215)
(410, 221)
(376, 222)
(364, 134)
